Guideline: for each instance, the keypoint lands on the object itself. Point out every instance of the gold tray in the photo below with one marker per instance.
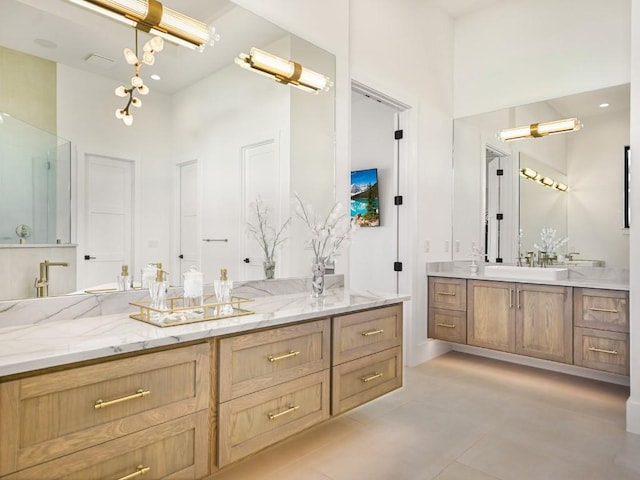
(178, 314)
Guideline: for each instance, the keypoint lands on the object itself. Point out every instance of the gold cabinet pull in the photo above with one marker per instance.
(606, 310)
(519, 291)
(449, 294)
(139, 394)
(446, 325)
(511, 298)
(371, 377)
(292, 408)
(368, 333)
(140, 470)
(292, 353)
(601, 350)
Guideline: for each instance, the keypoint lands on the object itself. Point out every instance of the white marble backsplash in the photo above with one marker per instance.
(69, 307)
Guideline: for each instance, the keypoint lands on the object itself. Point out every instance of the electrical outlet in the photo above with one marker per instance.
(427, 245)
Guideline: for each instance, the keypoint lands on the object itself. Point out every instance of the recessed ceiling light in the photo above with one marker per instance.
(604, 105)
(45, 43)
(155, 76)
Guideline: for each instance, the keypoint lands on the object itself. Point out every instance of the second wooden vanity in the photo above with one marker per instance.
(573, 325)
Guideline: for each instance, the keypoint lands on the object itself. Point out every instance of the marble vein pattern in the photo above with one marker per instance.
(40, 345)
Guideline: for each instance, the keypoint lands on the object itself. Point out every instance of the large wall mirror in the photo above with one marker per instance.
(589, 214)
(178, 186)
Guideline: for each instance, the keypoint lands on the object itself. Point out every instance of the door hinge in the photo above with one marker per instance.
(500, 216)
(397, 266)
(397, 200)
(398, 134)
(498, 260)
(500, 172)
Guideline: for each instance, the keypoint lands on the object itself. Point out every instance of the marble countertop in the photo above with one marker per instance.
(27, 347)
(586, 277)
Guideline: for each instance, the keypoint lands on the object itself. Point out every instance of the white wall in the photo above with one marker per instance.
(596, 179)
(633, 405)
(520, 52)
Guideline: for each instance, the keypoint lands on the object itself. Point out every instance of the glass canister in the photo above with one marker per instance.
(193, 287)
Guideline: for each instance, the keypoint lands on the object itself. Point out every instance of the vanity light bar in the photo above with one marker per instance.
(284, 71)
(151, 16)
(546, 181)
(536, 130)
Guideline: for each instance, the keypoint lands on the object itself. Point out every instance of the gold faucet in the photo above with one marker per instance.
(42, 283)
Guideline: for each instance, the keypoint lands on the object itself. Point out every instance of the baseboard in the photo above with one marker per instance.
(427, 350)
(633, 416)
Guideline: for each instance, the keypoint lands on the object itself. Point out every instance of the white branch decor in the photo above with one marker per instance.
(549, 243)
(267, 237)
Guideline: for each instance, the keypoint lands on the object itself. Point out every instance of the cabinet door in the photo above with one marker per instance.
(491, 315)
(544, 326)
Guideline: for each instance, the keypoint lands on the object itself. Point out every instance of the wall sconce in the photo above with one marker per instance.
(531, 174)
(284, 71)
(536, 130)
(152, 17)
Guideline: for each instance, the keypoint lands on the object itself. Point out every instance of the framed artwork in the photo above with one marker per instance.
(365, 203)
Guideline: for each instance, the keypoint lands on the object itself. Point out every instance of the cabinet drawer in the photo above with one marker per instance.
(448, 293)
(364, 379)
(253, 422)
(259, 360)
(601, 309)
(449, 325)
(602, 350)
(175, 449)
(362, 333)
(59, 413)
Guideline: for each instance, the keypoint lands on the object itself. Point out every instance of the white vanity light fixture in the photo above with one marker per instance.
(536, 130)
(152, 17)
(284, 71)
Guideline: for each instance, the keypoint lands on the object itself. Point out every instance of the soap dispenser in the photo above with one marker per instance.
(158, 289)
(223, 293)
(193, 287)
(124, 280)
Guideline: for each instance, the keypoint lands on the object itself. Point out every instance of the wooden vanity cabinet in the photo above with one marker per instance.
(273, 383)
(601, 329)
(367, 356)
(491, 315)
(543, 322)
(51, 424)
(448, 309)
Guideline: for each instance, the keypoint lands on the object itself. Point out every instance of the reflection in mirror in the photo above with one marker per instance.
(590, 161)
(211, 138)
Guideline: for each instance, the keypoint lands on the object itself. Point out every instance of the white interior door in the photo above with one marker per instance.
(261, 179)
(189, 247)
(108, 220)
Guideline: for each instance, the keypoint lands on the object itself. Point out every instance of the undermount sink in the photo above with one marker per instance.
(537, 273)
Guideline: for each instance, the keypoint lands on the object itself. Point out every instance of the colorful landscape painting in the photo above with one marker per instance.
(365, 209)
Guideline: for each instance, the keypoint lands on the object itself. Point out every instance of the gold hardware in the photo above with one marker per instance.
(606, 310)
(601, 350)
(140, 470)
(372, 332)
(139, 394)
(451, 294)
(292, 353)
(445, 325)
(371, 377)
(519, 292)
(511, 298)
(292, 408)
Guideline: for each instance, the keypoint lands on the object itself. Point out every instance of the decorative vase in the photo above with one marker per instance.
(317, 277)
(269, 268)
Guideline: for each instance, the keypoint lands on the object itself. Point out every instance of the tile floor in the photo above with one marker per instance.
(462, 417)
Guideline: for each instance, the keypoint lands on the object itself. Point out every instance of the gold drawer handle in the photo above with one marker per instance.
(445, 325)
(140, 470)
(292, 408)
(449, 294)
(368, 333)
(606, 310)
(600, 350)
(139, 394)
(371, 377)
(292, 353)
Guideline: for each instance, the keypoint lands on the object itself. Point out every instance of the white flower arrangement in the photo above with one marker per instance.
(265, 235)
(549, 242)
(327, 234)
